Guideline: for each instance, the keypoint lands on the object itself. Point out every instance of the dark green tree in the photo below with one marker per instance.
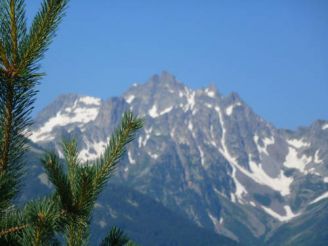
(65, 215)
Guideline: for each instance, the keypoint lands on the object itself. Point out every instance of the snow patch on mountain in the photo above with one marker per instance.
(325, 127)
(230, 109)
(295, 160)
(129, 99)
(190, 126)
(298, 143)
(131, 160)
(283, 218)
(240, 189)
(318, 199)
(142, 141)
(280, 183)
(153, 112)
(317, 158)
(148, 134)
(202, 156)
(190, 100)
(93, 150)
(266, 142)
(257, 174)
(76, 114)
(93, 101)
(153, 155)
(252, 203)
(215, 222)
(167, 110)
(210, 93)
(208, 105)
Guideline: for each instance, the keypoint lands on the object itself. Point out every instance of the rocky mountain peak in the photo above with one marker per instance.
(164, 77)
(200, 153)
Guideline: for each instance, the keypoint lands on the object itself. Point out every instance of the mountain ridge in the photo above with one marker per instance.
(197, 151)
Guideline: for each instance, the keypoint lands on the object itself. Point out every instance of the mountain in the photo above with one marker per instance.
(209, 158)
(142, 218)
(148, 222)
(308, 229)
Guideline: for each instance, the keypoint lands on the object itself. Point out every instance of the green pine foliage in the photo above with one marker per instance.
(116, 237)
(65, 215)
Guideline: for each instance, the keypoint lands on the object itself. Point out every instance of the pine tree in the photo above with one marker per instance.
(65, 214)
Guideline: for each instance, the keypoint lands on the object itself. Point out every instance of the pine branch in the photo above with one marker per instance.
(13, 27)
(115, 237)
(71, 158)
(79, 188)
(4, 63)
(16, 99)
(77, 232)
(12, 223)
(59, 179)
(5, 33)
(7, 126)
(44, 218)
(71, 189)
(36, 224)
(115, 149)
(12, 33)
(17, 83)
(7, 182)
(13, 230)
(19, 55)
(85, 196)
(42, 31)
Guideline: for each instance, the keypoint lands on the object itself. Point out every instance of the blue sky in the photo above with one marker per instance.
(273, 53)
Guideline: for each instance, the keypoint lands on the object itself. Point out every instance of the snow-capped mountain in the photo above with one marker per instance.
(206, 156)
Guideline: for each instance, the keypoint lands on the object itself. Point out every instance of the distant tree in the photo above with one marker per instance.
(66, 214)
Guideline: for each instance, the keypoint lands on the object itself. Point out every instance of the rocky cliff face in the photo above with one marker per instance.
(206, 156)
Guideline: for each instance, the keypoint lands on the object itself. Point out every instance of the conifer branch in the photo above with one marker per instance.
(13, 230)
(7, 127)
(115, 237)
(78, 186)
(71, 158)
(44, 218)
(4, 63)
(16, 98)
(42, 31)
(13, 33)
(58, 178)
(16, 93)
(4, 34)
(116, 148)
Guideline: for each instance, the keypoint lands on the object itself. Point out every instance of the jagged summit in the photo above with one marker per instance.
(164, 77)
(167, 83)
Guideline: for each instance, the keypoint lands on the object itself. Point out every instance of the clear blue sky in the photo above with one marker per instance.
(273, 53)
